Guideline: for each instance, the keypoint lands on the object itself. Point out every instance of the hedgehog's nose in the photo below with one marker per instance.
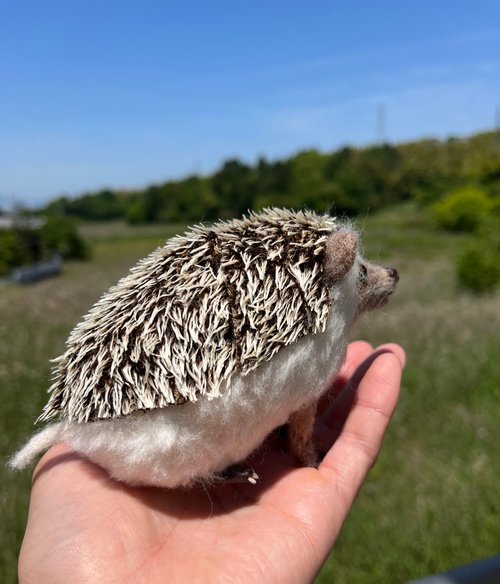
(393, 273)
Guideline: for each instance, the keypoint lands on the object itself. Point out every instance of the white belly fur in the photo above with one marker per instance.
(180, 444)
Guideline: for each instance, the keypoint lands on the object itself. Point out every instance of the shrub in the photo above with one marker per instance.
(60, 235)
(478, 266)
(463, 209)
(11, 251)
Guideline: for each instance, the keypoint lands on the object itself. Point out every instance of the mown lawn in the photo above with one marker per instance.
(430, 503)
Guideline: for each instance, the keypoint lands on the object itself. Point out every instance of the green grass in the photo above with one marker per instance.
(430, 503)
(34, 324)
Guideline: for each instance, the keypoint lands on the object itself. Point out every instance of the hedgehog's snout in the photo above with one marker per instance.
(375, 285)
(393, 273)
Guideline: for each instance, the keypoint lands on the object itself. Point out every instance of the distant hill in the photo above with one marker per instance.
(347, 181)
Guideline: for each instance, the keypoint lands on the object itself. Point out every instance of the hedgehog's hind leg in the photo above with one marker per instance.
(238, 473)
(300, 436)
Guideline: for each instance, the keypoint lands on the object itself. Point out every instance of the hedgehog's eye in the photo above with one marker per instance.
(363, 273)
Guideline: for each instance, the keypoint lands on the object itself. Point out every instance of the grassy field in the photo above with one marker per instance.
(430, 503)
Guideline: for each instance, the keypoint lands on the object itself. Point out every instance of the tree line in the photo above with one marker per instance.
(348, 181)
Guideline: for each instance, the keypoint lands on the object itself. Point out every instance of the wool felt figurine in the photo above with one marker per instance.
(181, 370)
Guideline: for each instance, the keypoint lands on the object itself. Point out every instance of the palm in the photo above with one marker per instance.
(95, 529)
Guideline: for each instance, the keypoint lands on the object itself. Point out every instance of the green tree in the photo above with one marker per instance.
(60, 235)
(12, 252)
(188, 200)
(234, 187)
(146, 207)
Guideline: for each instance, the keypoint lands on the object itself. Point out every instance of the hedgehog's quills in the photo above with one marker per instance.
(210, 304)
(236, 331)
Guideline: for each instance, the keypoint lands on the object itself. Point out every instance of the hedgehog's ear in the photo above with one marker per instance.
(340, 253)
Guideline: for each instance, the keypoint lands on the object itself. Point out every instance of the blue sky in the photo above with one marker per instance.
(124, 94)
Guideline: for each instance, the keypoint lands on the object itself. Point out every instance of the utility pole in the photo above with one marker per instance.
(497, 127)
(381, 119)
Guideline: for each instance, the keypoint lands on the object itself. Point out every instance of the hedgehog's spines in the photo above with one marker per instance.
(216, 300)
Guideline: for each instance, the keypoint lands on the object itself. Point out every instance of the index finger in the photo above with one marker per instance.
(357, 352)
(354, 452)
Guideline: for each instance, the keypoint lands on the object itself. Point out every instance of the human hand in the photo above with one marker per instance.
(85, 527)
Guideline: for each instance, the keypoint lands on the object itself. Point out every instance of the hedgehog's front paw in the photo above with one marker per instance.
(238, 473)
(306, 456)
(300, 430)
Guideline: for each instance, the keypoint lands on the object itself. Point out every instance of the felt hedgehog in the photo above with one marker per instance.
(181, 370)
